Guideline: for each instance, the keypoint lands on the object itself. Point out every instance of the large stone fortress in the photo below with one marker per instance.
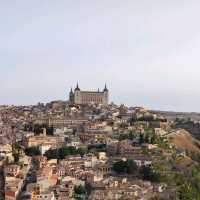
(85, 97)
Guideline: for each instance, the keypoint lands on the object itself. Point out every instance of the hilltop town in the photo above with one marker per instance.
(88, 148)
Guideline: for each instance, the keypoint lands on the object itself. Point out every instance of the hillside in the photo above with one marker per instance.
(184, 140)
(170, 115)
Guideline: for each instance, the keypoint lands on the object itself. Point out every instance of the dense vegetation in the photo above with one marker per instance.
(32, 151)
(62, 152)
(97, 148)
(38, 128)
(130, 167)
(16, 151)
(79, 192)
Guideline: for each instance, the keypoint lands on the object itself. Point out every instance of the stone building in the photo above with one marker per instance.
(85, 97)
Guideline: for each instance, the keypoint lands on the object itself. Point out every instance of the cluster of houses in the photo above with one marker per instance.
(102, 130)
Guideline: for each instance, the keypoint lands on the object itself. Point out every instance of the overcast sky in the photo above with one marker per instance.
(147, 51)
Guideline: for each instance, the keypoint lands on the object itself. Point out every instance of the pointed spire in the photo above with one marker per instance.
(71, 90)
(105, 89)
(77, 87)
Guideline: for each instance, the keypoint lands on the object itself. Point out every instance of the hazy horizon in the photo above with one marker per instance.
(146, 51)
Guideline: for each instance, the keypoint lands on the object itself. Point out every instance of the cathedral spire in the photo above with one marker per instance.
(77, 87)
(105, 89)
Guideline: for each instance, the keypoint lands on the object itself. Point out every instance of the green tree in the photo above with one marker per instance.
(16, 158)
(80, 192)
(16, 152)
(188, 192)
(128, 167)
(81, 151)
(62, 152)
(80, 189)
(1, 196)
(146, 139)
(119, 167)
(32, 151)
(131, 167)
(148, 173)
(141, 139)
